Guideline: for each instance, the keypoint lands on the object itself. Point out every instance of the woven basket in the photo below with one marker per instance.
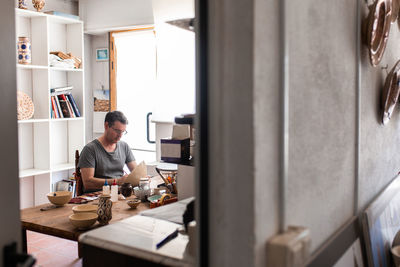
(25, 108)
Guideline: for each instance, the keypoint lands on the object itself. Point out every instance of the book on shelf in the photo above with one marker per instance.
(73, 103)
(54, 110)
(64, 108)
(59, 111)
(71, 111)
(61, 90)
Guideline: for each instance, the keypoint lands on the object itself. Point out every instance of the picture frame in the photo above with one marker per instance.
(381, 222)
(102, 54)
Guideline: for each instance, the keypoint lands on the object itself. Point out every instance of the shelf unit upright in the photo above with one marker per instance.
(47, 145)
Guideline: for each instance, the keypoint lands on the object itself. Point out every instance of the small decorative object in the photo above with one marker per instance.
(24, 50)
(391, 92)
(25, 108)
(38, 4)
(102, 54)
(22, 4)
(376, 29)
(126, 189)
(104, 209)
(133, 203)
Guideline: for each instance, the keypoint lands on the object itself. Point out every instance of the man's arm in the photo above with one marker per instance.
(131, 165)
(89, 181)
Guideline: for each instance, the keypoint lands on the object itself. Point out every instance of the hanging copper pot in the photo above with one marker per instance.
(377, 29)
(390, 94)
(395, 10)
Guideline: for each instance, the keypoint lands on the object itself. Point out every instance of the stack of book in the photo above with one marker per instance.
(63, 104)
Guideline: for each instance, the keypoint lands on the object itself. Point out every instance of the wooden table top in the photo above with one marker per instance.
(56, 222)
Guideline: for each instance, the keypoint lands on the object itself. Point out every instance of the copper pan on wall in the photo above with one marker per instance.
(376, 28)
(390, 94)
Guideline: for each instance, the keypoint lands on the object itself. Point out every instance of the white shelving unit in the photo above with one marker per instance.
(47, 146)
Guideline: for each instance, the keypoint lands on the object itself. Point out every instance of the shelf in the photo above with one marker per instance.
(33, 121)
(63, 167)
(32, 172)
(53, 18)
(29, 66)
(67, 119)
(65, 69)
(63, 20)
(28, 13)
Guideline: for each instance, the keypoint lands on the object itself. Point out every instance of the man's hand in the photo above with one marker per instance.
(121, 180)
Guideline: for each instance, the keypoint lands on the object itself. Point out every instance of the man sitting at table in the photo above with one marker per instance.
(105, 157)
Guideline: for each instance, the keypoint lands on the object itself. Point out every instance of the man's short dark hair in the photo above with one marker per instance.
(114, 116)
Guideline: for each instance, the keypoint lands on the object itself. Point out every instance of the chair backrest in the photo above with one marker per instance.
(78, 176)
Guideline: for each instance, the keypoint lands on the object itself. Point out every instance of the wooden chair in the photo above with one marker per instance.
(78, 176)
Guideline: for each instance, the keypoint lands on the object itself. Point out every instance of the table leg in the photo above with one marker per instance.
(80, 245)
(24, 241)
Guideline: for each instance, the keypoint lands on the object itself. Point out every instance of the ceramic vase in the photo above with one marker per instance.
(126, 189)
(24, 50)
(38, 4)
(22, 4)
(104, 209)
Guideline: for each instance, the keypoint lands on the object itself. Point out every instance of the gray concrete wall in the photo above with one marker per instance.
(266, 110)
(323, 121)
(379, 145)
(322, 108)
(231, 134)
(10, 230)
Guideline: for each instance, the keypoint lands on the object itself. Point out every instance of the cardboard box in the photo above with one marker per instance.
(175, 151)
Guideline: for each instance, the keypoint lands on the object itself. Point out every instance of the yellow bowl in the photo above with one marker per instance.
(133, 203)
(83, 220)
(84, 208)
(59, 198)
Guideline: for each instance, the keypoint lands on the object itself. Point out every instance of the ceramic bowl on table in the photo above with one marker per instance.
(83, 220)
(59, 198)
(133, 203)
(84, 208)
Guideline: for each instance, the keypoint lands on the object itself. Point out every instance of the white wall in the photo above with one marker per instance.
(101, 16)
(100, 72)
(88, 88)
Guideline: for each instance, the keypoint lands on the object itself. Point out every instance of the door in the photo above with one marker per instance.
(155, 80)
(135, 83)
(10, 230)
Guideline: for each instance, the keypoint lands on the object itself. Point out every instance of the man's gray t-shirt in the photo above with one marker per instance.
(105, 164)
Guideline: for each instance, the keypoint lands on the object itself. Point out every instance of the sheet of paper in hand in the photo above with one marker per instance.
(137, 173)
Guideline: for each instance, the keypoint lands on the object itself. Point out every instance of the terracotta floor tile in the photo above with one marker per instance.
(53, 251)
(59, 261)
(43, 243)
(43, 256)
(33, 236)
(69, 250)
(32, 249)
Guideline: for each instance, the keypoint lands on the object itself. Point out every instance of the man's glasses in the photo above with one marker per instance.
(119, 131)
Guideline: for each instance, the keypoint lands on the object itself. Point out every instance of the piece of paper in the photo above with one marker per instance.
(137, 173)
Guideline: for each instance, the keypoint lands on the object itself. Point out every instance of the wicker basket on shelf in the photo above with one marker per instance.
(25, 108)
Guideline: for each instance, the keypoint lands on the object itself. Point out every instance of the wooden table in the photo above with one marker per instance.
(55, 222)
